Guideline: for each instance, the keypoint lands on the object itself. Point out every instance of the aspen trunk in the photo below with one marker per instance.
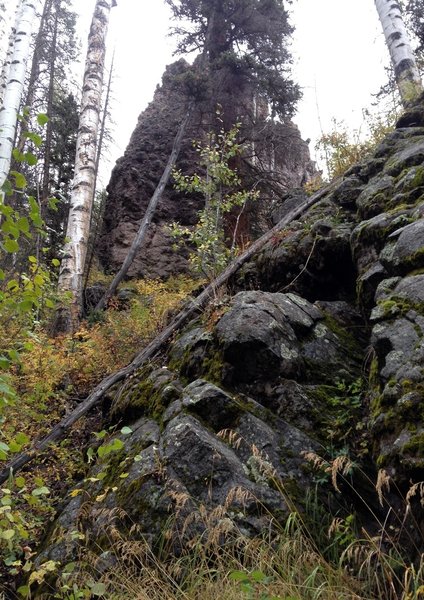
(15, 82)
(45, 188)
(95, 230)
(81, 202)
(7, 31)
(402, 56)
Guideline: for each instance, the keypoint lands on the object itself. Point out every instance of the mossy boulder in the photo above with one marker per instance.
(147, 393)
(372, 200)
(217, 453)
(405, 250)
(398, 339)
(412, 154)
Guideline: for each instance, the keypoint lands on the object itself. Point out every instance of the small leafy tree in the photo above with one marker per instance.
(339, 149)
(219, 187)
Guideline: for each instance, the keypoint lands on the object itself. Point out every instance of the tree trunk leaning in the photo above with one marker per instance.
(402, 56)
(189, 312)
(81, 202)
(154, 200)
(150, 211)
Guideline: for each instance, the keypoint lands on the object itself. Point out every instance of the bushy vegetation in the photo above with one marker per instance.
(219, 187)
(47, 377)
(341, 148)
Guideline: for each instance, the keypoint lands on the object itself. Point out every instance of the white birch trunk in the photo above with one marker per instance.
(75, 251)
(27, 12)
(7, 32)
(402, 56)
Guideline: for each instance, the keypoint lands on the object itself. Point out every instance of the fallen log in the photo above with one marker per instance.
(189, 312)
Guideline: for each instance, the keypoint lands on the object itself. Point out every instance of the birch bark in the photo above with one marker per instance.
(402, 56)
(81, 202)
(7, 32)
(27, 12)
(95, 223)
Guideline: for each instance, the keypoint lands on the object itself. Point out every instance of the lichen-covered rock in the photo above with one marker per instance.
(370, 237)
(372, 200)
(412, 154)
(397, 407)
(348, 191)
(405, 249)
(217, 451)
(322, 343)
(258, 339)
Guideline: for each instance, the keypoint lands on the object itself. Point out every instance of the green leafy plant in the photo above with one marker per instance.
(24, 292)
(254, 584)
(346, 406)
(23, 509)
(220, 188)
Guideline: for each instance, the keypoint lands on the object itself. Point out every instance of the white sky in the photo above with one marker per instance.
(338, 49)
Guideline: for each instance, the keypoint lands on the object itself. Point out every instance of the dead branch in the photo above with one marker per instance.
(188, 312)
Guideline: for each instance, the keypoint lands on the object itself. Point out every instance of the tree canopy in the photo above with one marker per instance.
(247, 36)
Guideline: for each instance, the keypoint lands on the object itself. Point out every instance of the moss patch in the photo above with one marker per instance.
(148, 395)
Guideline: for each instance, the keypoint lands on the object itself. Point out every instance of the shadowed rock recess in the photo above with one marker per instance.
(319, 347)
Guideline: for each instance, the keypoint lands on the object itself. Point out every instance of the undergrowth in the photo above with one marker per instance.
(50, 376)
(289, 561)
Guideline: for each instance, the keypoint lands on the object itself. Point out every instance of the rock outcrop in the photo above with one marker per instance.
(319, 349)
(278, 155)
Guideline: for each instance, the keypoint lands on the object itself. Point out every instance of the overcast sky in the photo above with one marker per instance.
(339, 58)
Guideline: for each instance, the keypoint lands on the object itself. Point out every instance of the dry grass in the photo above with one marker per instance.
(293, 569)
(218, 561)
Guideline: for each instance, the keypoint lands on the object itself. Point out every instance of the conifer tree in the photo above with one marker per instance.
(248, 38)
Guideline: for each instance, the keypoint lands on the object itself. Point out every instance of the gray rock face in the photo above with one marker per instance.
(321, 345)
(348, 191)
(407, 253)
(372, 199)
(258, 336)
(281, 153)
(218, 450)
(211, 446)
(411, 155)
(370, 236)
